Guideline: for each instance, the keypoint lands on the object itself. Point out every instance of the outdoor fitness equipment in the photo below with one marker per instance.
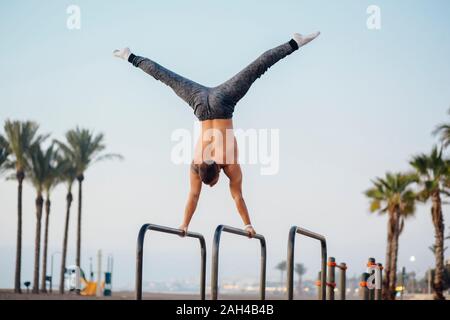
(215, 259)
(158, 228)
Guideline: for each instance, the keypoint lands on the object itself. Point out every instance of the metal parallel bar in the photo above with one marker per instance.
(215, 259)
(342, 280)
(290, 260)
(331, 282)
(363, 285)
(140, 254)
(318, 284)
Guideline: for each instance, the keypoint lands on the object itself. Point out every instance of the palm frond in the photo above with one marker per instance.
(20, 136)
(433, 171)
(393, 192)
(84, 148)
(4, 153)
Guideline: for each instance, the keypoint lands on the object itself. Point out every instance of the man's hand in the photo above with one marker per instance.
(184, 228)
(251, 232)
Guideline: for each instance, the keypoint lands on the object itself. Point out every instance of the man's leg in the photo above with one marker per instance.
(235, 89)
(188, 90)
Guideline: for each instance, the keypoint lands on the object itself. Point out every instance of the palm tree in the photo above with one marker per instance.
(20, 136)
(52, 179)
(38, 172)
(300, 270)
(84, 149)
(67, 175)
(434, 172)
(282, 267)
(392, 195)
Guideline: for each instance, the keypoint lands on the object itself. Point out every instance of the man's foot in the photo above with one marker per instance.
(302, 40)
(122, 53)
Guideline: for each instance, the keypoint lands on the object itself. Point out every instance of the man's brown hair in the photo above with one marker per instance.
(208, 171)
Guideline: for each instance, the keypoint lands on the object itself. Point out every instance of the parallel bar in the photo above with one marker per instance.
(290, 259)
(215, 259)
(319, 284)
(331, 282)
(140, 253)
(364, 289)
(342, 280)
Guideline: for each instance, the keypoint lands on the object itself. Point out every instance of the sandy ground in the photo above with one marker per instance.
(8, 294)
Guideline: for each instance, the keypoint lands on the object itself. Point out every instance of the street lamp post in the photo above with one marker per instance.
(51, 270)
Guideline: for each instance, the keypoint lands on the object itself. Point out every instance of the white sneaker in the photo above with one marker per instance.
(123, 53)
(302, 40)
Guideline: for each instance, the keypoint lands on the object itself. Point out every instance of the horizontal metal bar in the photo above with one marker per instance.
(179, 232)
(240, 232)
(310, 234)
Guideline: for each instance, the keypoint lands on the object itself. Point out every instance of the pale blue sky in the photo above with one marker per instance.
(350, 106)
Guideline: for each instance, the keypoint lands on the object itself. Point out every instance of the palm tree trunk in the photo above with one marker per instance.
(80, 187)
(44, 256)
(20, 176)
(394, 257)
(438, 222)
(37, 243)
(388, 264)
(69, 199)
(299, 284)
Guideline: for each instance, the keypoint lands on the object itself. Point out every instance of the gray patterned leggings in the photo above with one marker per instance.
(217, 102)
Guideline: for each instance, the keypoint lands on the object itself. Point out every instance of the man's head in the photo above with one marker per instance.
(209, 172)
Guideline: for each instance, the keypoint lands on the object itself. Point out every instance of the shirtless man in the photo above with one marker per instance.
(214, 107)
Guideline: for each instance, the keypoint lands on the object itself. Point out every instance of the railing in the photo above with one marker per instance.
(290, 259)
(215, 259)
(140, 253)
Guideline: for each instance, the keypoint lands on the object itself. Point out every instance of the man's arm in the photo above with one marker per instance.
(194, 195)
(234, 172)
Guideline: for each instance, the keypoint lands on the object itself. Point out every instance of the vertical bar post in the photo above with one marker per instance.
(215, 265)
(139, 261)
(363, 286)
(331, 281)
(202, 269)
(403, 282)
(290, 262)
(318, 285)
(262, 277)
